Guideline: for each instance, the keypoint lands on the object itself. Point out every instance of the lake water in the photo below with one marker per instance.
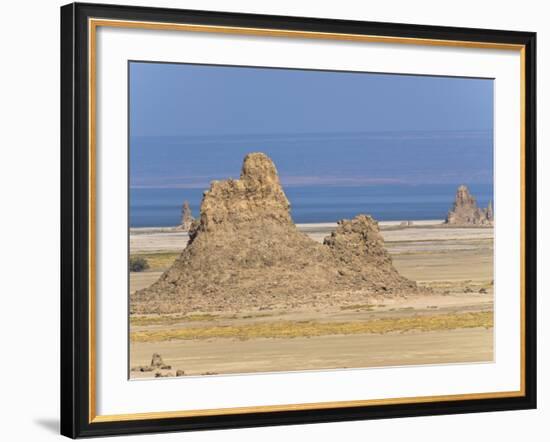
(161, 207)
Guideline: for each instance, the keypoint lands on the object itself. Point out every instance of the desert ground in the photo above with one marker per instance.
(451, 323)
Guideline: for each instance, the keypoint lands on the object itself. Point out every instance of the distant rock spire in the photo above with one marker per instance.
(466, 212)
(490, 215)
(186, 216)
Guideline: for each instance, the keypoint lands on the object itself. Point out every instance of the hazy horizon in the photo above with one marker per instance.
(191, 124)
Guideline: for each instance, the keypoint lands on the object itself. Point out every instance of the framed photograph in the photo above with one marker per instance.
(274, 220)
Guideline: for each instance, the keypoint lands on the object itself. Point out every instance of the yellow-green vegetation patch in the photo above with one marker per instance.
(459, 284)
(253, 316)
(357, 307)
(200, 317)
(157, 261)
(170, 319)
(294, 329)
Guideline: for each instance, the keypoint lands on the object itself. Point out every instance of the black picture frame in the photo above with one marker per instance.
(75, 219)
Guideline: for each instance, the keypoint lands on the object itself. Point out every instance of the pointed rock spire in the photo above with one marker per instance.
(245, 253)
(186, 216)
(466, 212)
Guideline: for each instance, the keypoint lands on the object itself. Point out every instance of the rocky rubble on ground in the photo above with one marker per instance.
(160, 369)
(156, 364)
(466, 212)
(245, 253)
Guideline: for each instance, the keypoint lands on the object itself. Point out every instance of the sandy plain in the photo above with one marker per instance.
(452, 324)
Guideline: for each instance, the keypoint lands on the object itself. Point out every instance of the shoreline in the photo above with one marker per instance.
(172, 239)
(304, 226)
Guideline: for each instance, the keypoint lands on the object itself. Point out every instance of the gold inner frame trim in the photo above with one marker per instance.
(93, 24)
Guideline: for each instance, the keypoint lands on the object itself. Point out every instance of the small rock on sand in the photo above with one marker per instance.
(156, 360)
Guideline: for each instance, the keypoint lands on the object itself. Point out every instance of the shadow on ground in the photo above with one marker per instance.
(51, 425)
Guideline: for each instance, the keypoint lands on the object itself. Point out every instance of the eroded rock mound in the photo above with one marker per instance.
(466, 212)
(358, 242)
(245, 253)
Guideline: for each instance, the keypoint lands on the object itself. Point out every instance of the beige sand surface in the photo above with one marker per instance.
(141, 280)
(323, 352)
(158, 241)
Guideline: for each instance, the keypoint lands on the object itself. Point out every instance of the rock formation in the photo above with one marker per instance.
(245, 253)
(156, 360)
(489, 212)
(186, 216)
(466, 212)
(156, 364)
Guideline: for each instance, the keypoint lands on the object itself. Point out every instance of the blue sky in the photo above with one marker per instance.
(190, 124)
